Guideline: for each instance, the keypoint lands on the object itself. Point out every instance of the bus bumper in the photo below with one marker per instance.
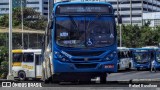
(77, 76)
(108, 67)
(157, 66)
(144, 66)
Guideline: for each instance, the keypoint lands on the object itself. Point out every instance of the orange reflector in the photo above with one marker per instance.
(108, 66)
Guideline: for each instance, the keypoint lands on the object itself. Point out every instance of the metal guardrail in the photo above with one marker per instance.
(24, 31)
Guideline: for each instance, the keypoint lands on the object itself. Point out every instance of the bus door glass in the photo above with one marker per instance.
(38, 64)
(158, 57)
(152, 56)
(28, 61)
(123, 58)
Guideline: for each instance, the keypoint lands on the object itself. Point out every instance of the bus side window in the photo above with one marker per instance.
(17, 57)
(152, 56)
(28, 57)
(38, 59)
(130, 54)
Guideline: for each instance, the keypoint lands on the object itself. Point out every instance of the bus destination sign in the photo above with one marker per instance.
(83, 9)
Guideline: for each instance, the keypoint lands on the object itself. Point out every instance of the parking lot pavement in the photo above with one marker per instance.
(130, 75)
(119, 79)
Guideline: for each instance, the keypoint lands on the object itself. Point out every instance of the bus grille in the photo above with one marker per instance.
(83, 60)
(85, 65)
(93, 53)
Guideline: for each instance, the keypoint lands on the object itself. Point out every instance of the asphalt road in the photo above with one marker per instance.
(116, 81)
(130, 75)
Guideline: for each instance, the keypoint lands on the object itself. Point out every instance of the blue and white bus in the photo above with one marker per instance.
(80, 42)
(124, 58)
(156, 63)
(143, 57)
(155, 54)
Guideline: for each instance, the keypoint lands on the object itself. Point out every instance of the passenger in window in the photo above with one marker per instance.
(25, 59)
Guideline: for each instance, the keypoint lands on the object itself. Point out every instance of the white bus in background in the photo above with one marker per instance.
(124, 58)
(27, 64)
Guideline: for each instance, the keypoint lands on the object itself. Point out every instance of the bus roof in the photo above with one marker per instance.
(63, 3)
(26, 50)
(145, 49)
(124, 49)
(151, 47)
(81, 3)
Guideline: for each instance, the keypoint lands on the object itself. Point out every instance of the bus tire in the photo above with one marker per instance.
(130, 66)
(43, 75)
(22, 75)
(103, 78)
(118, 66)
(138, 69)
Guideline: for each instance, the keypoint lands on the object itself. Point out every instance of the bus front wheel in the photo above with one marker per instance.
(22, 75)
(130, 66)
(103, 78)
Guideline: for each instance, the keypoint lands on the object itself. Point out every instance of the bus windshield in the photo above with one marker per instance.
(122, 55)
(141, 57)
(158, 57)
(82, 32)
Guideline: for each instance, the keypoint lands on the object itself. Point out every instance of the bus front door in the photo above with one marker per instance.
(38, 66)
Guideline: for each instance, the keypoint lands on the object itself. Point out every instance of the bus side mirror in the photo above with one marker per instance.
(119, 19)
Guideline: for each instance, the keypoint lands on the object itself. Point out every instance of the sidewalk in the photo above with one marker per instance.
(5, 80)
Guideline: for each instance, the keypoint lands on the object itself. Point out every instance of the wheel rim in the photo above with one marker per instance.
(22, 76)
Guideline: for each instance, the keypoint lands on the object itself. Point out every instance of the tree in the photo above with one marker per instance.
(32, 19)
(139, 36)
(4, 21)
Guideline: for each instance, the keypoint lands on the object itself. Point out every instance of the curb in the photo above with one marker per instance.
(145, 80)
(5, 80)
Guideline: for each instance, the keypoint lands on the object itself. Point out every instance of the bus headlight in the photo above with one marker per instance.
(61, 57)
(110, 56)
(58, 55)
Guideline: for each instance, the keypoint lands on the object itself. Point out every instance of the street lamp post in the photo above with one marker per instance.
(48, 10)
(10, 75)
(22, 23)
(120, 24)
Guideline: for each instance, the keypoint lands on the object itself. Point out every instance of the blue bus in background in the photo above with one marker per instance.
(124, 58)
(155, 54)
(156, 63)
(143, 58)
(80, 42)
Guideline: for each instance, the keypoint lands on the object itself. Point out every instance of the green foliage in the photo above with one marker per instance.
(3, 61)
(31, 18)
(4, 21)
(4, 69)
(136, 36)
(3, 53)
(3, 39)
